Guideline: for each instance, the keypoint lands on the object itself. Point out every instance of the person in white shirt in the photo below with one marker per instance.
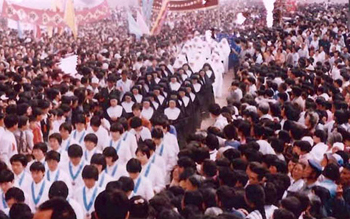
(6, 182)
(18, 165)
(75, 166)
(53, 173)
(215, 113)
(115, 111)
(163, 149)
(13, 196)
(90, 142)
(79, 133)
(142, 186)
(99, 161)
(55, 141)
(39, 188)
(137, 129)
(113, 169)
(39, 152)
(116, 141)
(124, 84)
(59, 189)
(150, 170)
(155, 158)
(86, 195)
(8, 141)
(163, 124)
(67, 140)
(265, 147)
(99, 131)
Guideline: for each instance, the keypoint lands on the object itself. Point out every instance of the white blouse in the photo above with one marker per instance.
(115, 112)
(172, 114)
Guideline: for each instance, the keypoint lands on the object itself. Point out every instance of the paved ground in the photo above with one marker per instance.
(221, 101)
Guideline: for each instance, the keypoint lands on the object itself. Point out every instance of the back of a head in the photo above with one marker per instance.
(20, 210)
(112, 205)
(283, 214)
(61, 209)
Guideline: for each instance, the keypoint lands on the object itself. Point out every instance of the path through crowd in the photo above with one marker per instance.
(228, 77)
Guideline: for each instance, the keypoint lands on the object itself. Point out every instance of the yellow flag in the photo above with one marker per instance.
(69, 17)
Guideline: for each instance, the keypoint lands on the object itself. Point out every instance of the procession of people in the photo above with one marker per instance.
(123, 137)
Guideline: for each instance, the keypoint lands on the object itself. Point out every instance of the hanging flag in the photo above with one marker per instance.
(133, 26)
(147, 6)
(69, 17)
(161, 18)
(142, 24)
(20, 30)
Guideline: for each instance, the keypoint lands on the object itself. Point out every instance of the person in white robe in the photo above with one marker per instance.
(142, 186)
(53, 172)
(149, 169)
(90, 149)
(18, 166)
(87, 194)
(79, 133)
(116, 141)
(225, 52)
(75, 166)
(219, 69)
(97, 129)
(99, 161)
(39, 188)
(113, 169)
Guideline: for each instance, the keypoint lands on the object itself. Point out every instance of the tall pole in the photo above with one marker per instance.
(348, 15)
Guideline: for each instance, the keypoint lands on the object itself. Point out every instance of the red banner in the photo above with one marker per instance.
(93, 14)
(34, 16)
(51, 18)
(187, 5)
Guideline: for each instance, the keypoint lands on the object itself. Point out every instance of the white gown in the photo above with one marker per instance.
(219, 69)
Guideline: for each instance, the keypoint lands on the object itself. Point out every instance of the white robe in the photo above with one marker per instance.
(219, 69)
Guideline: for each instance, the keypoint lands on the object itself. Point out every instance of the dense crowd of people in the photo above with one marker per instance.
(123, 139)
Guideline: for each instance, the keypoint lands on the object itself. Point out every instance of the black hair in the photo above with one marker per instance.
(91, 137)
(215, 109)
(75, 151)
(90, 172)
(139, 207)
(331, 171)
(22, 121)
(111, 152)
(135, 122)
(292, 204)
(95, 121)
(226, 196)
(99, 159)
(258, 169)
(80, 118)
(37, 166)
(209, 168)
(255, 194)
(66, 126)
(304, 146)
(212, 142)
(321, 134)
(19, 158)
(56, 136)
(117, 127)
(53, 155)
(10, 121)
(133, 166)
(58, 189)
(61, 209)
(186, 162)
(193, 198)
(127, 184)
(283, 214)
(144, 150)
(150, 144)
(6, 175)
(157, 133)
(112, 205)
(239, 164)
(16, 194)
(41, 146)
(20, 210)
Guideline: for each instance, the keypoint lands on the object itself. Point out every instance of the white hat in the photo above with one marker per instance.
(339, 145)
(94, 80)
(117, 56)
(105, 66)
(308, 139)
